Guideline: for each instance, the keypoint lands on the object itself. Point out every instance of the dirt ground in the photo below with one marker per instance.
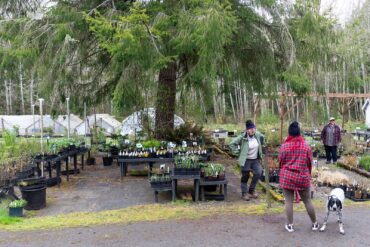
(99, 188)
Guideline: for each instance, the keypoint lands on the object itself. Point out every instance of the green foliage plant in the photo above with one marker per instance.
(365, 162)
(18, 203)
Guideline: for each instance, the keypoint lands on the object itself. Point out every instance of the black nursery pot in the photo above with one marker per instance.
(107, 161)
(90, 161)
(114, 150)
(343, 187)
(16, 212)
(35, 195)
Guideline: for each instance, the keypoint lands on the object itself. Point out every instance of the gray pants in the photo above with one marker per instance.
(255, 167)
(305, 196)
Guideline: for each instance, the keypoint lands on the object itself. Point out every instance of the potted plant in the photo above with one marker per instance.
(91, 160)
(108, 159)
(16, 208)
(214, 172)
(358, 194)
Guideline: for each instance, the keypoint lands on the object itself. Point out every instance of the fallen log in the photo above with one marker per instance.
(275, 195)
(354, 169)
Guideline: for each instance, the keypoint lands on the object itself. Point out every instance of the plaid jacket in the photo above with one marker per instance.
(295, 158)
(337, 135)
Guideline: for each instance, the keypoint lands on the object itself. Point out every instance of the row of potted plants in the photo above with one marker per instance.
(160, 181)
(355, 192)
(187, 165)
(212, 171)
(17, 165)
(273, 175)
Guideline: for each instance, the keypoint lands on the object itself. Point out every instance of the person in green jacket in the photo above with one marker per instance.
(249, 148)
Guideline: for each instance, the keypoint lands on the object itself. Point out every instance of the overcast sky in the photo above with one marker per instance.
(341, 9)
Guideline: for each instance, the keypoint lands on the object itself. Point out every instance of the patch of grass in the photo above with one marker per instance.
(6, 220)
(134, 214)
(4, 203)
(181, 202)
(138, 173)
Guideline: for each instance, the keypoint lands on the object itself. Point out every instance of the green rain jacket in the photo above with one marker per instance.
(243, 142)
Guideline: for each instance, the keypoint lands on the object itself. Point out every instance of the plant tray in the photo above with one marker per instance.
(26, 173)
(214, 197)
(70, 172)
(356, 199)
(161, 185)
(50, 182)
(183, 171)
(207, 179)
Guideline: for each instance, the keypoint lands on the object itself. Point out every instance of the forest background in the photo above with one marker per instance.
(211, 61)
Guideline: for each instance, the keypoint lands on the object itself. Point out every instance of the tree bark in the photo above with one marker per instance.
(21, 87)
(232, 107)
(31, 90)
(6, 96)
(166, 100)
(10, 96)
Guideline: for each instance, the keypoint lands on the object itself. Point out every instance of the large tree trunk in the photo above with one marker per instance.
(166, 100)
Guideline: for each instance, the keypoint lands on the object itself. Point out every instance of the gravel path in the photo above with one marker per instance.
(232, 230)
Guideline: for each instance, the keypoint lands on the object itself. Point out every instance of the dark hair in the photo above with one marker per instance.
(294, 129)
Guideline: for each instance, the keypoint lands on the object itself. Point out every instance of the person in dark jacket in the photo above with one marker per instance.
(295, 160)
(331, 137)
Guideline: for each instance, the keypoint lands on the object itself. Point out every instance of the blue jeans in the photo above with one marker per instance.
(256, 168)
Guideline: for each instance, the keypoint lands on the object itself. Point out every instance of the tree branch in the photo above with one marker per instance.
(152, 37)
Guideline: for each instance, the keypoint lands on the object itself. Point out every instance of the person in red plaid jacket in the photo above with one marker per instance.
(295, 159)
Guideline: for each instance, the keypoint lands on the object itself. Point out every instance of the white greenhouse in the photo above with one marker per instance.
(134, 122)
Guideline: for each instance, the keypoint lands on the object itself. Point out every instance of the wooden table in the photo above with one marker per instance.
(360, 133)
(124, 162)
(175, 177)
(223, 185)
(160, 189)
(51, 163)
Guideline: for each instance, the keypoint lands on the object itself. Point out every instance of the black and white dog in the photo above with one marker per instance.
(335, 203)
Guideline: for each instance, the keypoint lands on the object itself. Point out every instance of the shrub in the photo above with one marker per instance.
(350, 160)
(272, 138)
(268, 118)
(349, 145)
(365, 162)
(333, 178)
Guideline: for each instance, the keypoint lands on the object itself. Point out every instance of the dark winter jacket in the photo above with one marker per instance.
(337, 135)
